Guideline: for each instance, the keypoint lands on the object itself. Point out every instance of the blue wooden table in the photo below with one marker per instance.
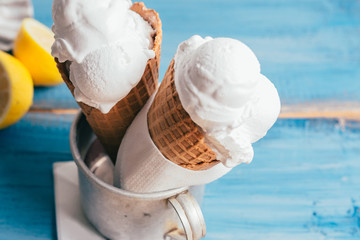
(304, 182)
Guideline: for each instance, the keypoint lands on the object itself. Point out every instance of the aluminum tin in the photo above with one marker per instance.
(120, 214)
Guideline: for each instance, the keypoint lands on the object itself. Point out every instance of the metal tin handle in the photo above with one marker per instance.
(191, 217)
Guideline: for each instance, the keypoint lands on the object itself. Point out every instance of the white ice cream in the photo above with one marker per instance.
(108, 46)
(220, 86)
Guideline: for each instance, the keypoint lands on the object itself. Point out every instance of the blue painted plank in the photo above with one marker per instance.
(302, 184)
(42, 11)
(27, 151)
(58, 97)
(309, 49)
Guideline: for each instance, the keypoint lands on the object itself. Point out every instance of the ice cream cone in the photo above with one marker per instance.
(111, 127)
(174, 133)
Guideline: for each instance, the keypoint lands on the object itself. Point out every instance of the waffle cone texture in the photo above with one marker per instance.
(174, 133)
(110, 128)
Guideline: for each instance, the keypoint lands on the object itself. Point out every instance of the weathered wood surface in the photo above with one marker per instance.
(309, 49)
(304, 182)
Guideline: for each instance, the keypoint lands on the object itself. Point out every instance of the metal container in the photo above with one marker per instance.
(120, 214)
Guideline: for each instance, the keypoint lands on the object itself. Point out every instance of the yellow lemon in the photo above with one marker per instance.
(32, 47)
(16, 90)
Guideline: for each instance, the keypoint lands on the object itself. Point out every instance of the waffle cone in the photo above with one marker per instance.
(174, 133)
(111, 127)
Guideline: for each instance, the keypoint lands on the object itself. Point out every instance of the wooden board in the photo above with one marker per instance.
(302, 184)
(309, 49)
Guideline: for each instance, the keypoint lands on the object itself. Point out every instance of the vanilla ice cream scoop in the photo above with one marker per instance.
(107, 44)
(220, 86)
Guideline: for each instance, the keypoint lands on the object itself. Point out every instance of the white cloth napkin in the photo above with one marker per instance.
(141, 167)
(12, 12)
(70, 220)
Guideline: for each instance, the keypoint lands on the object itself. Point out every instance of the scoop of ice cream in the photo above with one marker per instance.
(100, 87)
(108, 46)
(221, 88)
(82, 26)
